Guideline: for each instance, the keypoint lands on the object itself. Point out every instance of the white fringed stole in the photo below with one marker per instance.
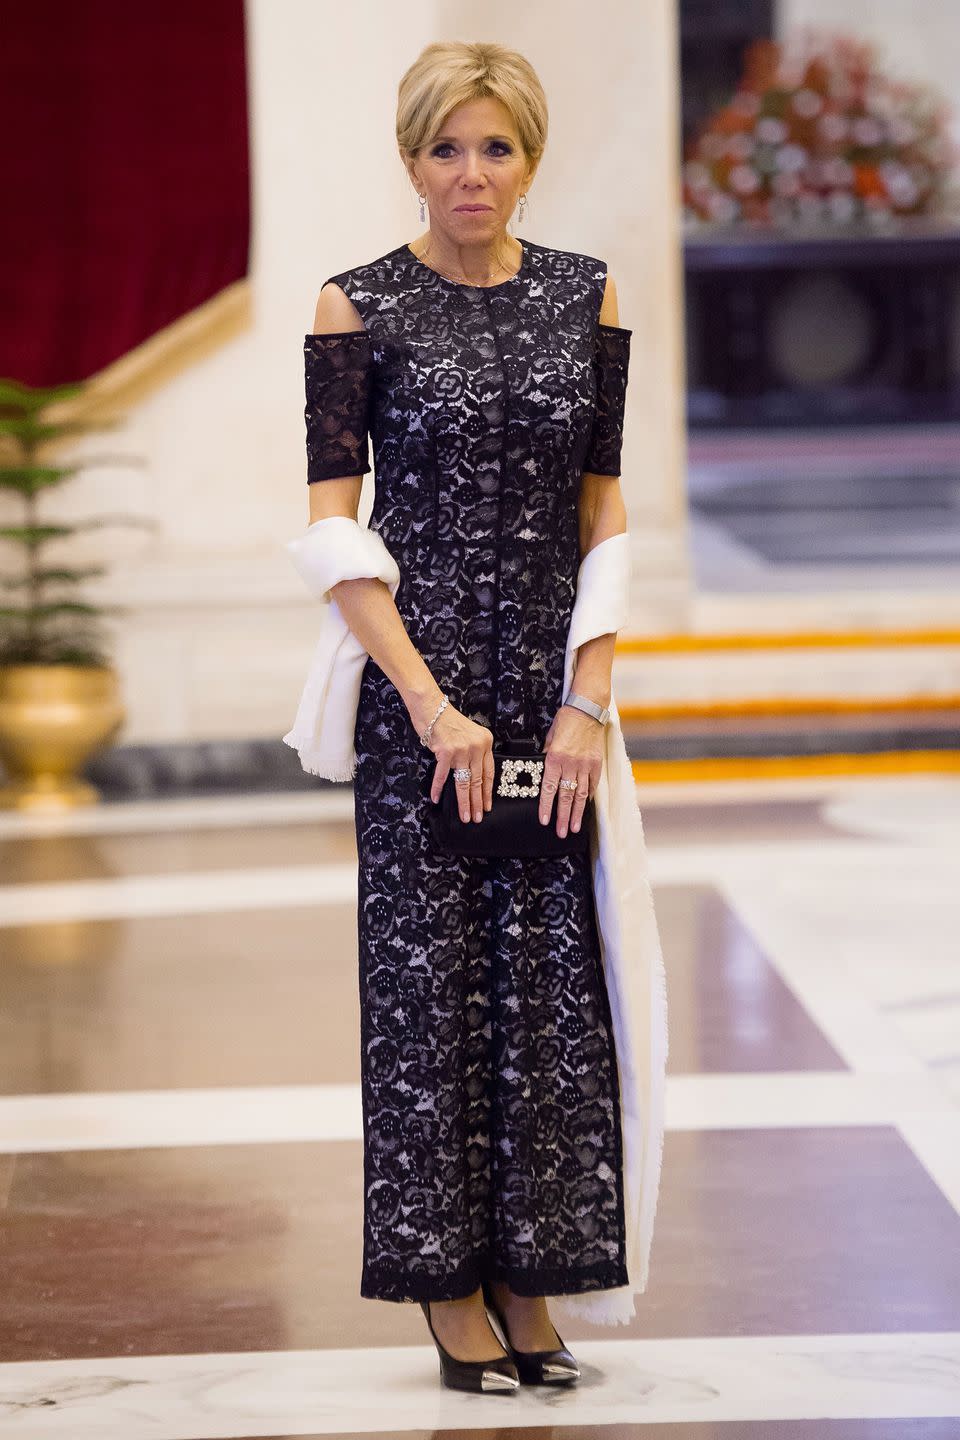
(338, 548)
(332, 549)
(630, 946)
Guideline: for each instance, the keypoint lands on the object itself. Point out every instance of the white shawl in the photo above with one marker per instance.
(333, 549)
(338, 548)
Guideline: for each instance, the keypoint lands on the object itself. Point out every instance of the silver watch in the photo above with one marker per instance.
(590, 707)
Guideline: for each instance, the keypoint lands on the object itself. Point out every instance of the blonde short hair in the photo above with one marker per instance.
(448, 73)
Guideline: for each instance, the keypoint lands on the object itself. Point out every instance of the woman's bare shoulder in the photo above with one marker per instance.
(609, 307)
(335, 311)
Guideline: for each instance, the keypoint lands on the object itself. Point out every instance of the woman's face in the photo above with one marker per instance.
(472, 172)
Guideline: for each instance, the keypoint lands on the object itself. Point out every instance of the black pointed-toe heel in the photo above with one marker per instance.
(484, 1375)
(535, 1367)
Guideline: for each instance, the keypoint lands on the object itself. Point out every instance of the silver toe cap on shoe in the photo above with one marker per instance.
(561, 1372)
(496, 1380)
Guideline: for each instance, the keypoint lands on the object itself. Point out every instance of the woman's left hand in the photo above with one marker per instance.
(574, 751)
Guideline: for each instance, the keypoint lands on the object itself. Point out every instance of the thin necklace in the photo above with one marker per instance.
(462, 279)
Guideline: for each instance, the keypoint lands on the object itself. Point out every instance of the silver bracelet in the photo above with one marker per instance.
(589, 707)
(425, 737)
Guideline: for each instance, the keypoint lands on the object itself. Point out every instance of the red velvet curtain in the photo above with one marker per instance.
(127, 190)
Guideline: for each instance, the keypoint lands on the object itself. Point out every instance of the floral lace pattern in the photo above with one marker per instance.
(488, 1070)
(611, 362)
(336, 369)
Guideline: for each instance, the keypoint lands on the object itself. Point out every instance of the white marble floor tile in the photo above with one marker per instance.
(178, 894)
(138, 1119)
(233, 1115)
(935, 1141)
(200, 1397)
(923, 810)
(855, 940)
(241, 889)
(930, 1023)
(192, 812)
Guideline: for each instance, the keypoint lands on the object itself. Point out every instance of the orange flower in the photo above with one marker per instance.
(729, 121)
(761, 62)
(867, 181)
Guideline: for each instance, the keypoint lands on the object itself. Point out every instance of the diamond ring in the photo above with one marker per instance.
(462, 774)
(568, 784)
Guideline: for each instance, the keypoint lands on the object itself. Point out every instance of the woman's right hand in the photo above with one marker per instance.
(458, 742)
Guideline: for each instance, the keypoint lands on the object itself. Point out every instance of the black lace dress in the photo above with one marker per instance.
(489, 1079)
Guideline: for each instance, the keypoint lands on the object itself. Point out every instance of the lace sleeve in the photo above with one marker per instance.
(337, 384)
(610, 362)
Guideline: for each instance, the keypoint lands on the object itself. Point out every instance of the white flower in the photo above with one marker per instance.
(771, 130)
(837, 172)
(867, 131)
(740, 147)
(809, 208)
(722, 208)
(807, 103)
(786, 185)
(791, 158)
(841, 206)
(833, 127)
(697, 176)
(900, 186)
(743, 180)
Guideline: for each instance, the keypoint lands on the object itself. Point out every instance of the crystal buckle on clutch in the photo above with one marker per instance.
(511, 769)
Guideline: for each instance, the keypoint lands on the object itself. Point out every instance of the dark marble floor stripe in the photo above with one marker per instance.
(263, 997)
(257, 1247)
(255, 997)
(728, 1008)
(34, 859)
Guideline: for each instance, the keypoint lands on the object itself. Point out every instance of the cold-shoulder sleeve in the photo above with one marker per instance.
(611, 359)
(337, 382)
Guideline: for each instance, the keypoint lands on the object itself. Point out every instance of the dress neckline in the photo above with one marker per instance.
(465, 284)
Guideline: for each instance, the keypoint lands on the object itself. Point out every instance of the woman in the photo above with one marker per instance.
(490, 373)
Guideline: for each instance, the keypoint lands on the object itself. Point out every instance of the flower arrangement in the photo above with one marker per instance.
(816, 134)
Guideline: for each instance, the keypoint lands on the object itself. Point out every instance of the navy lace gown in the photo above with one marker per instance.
(491, 1120)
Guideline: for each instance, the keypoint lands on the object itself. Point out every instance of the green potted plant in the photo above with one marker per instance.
(59, 695)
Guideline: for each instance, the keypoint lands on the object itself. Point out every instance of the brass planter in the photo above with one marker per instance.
(52, 719)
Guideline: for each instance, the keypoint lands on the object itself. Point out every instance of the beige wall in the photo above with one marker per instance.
(220, 631)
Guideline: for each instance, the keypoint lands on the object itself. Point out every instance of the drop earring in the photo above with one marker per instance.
(423, 213)
(523, 206)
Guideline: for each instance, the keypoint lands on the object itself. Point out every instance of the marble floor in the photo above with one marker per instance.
(180, 1131)
(837, 509)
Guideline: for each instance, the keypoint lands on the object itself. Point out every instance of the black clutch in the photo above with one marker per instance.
(511, 827)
